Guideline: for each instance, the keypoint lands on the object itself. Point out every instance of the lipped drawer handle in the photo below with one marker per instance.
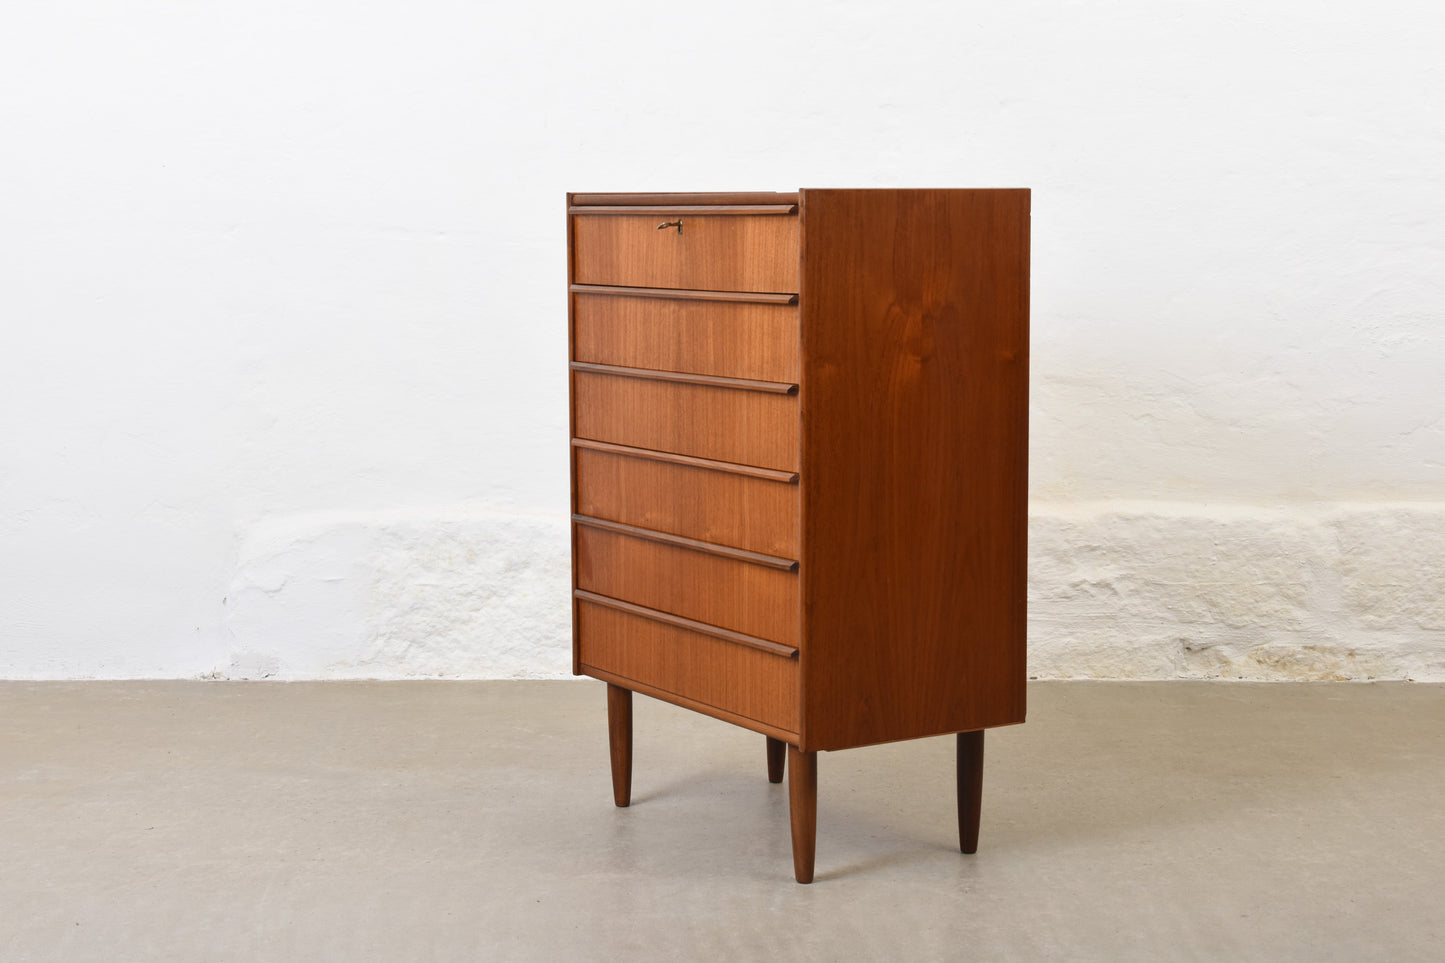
(677, 224)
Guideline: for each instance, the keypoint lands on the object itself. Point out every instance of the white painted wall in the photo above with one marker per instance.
(282, 386)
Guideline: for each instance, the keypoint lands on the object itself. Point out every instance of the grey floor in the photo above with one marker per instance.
(473, 821)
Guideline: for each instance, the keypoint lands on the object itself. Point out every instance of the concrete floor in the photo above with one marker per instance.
(473, 821)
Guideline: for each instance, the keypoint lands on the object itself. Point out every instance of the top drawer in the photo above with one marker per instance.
(712, 252)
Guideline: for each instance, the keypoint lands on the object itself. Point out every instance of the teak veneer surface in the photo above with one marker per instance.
(692, 544)
(734, 594)
(727, 424)
(738, 340)
(915, 468)
(671, 456)
(677, 621)
(712, 252)
(715, 506)
(758, 685)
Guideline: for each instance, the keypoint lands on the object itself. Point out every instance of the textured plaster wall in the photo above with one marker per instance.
(1158, 590)
(282, 318)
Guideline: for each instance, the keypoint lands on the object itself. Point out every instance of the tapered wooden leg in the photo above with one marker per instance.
(803, 809)
(970, 788)
(619, 738)
(777, 749)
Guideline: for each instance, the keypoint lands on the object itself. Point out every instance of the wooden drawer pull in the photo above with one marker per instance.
(684, 209)
(684, 295)
(696, 545)
(710, 381)
(673, 201)
(771, 474)
(692, 625)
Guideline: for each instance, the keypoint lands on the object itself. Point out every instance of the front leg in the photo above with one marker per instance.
(619, 740)
(803, 810)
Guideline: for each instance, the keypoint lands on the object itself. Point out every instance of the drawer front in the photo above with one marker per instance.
(735, 340)
(712, 252)
(729, 593)
(728, 424)
(757, 514)
(756, 685)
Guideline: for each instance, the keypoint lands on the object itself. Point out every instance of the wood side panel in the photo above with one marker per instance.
(727, 424)
(914, 469)
(719, 253)
(733, 678)
(745, 512)
(758, 341)
(725, 592)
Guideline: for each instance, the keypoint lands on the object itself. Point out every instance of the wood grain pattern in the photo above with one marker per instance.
(756, 341)
(748, 427)
(689, 197)
(667, 618)
(708, 588)
(673, 458)
(732, 678)
(729, 253)
(714, 506)
(914, 479)
(693, 544)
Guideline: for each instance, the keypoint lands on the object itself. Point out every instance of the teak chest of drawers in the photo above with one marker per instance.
(799, 468)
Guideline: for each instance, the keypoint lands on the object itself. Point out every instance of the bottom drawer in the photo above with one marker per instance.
(734, 678)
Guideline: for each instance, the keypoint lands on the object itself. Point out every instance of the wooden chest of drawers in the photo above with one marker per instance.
(799, 468)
